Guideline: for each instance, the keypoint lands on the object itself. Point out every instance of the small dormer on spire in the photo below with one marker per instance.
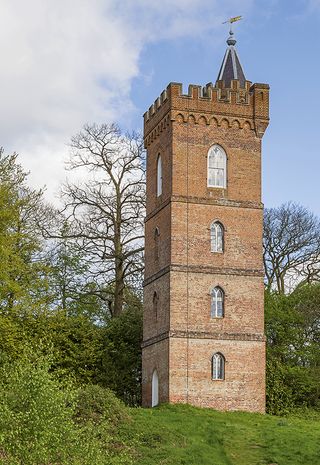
(231, 67)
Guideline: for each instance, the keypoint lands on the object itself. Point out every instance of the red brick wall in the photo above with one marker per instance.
(244, 384)
(180, 342)
(155, 357)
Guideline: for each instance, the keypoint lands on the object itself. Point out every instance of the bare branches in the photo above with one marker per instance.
(291, 246)
(107, 210)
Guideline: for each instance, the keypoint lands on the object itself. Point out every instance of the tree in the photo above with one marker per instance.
(68, 279)
(121, 355)
(293, 350)
(106, 211)
(291, 245)
(23, 272)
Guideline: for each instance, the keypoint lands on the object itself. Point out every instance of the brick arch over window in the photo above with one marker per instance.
(217, 302)
(217, 236)
(218, 366)
(217, 167)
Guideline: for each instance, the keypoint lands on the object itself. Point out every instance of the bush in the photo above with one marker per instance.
(279, 397)
(37, 424)
(97, 404)
(121, 356)
(35, 415)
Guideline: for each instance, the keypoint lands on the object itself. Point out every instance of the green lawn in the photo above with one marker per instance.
(180, 434)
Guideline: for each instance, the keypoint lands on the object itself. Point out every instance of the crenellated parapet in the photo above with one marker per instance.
(238, 107)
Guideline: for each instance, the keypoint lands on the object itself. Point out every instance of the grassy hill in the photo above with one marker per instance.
(184, 435)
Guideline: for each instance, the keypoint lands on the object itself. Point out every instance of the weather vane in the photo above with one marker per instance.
(231, 21)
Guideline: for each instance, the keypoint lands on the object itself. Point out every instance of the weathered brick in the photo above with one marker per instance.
(180, 339)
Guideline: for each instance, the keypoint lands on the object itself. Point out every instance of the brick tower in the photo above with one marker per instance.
(203, 292)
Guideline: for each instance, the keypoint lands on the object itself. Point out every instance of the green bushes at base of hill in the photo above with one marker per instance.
(46, 421)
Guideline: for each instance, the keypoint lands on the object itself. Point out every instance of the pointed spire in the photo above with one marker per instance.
(231, 67)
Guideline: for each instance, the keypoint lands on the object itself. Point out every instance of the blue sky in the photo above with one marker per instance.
(69, 62)
(278, 45)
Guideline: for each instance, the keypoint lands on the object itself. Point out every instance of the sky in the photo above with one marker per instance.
(65, 63)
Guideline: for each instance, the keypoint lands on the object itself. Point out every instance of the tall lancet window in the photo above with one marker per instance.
(156, 243)
(216, 233)
(159, 176)
(218, 363)
(217, 167)
(155, 389)
(155, 302)
(217, 303)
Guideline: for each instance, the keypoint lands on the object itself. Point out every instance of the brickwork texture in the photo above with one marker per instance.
(180, 335)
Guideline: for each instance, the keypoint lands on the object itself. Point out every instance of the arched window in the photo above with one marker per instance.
(217, 167)
(155, 389)
(218, 364)
(155, 305)
(159, 176)
(217, 237)
(156, 243)
(217, 303)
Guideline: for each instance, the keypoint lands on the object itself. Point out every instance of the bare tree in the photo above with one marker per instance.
(291, 246)
(106, 210)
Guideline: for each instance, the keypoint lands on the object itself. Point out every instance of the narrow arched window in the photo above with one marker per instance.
(217, 303)
(217, 237)
(218, 364)
(156, 243)
(155, 389)
(155, 305)
(217, 167)
(159, 176)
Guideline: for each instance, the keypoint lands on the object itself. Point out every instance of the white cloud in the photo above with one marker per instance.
(67, 62)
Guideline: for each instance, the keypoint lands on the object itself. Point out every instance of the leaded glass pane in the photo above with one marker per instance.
(219, 238)
(216, 303)
(216, 237)
(216, 167)
(213, 238)
(217, 366)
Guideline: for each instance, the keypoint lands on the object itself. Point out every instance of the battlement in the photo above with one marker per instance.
(250, 102)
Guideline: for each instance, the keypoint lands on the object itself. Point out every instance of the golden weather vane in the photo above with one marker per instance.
(231, 21)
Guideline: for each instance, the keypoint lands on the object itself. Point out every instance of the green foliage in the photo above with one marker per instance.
(23, 285)
(36, 415)
(98, 404)
(12, 339)
(293, 350)
(305, 386)
(279, 396)
(121, 356)
(73, 342)
(39, 420)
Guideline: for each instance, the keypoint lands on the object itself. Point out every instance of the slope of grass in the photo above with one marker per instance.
(184, 435)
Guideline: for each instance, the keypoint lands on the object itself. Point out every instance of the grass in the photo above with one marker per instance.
(185, 435)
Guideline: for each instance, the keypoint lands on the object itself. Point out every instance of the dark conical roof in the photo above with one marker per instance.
(231, 67)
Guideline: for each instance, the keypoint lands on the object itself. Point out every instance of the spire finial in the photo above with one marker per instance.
(231, 68)
(231, 40)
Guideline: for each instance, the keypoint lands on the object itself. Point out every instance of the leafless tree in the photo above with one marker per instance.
(291, 246)
(106, 210)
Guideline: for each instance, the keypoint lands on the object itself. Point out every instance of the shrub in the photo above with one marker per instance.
(37, 419)
(97, 404)
(279, 395)
(121, 356)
